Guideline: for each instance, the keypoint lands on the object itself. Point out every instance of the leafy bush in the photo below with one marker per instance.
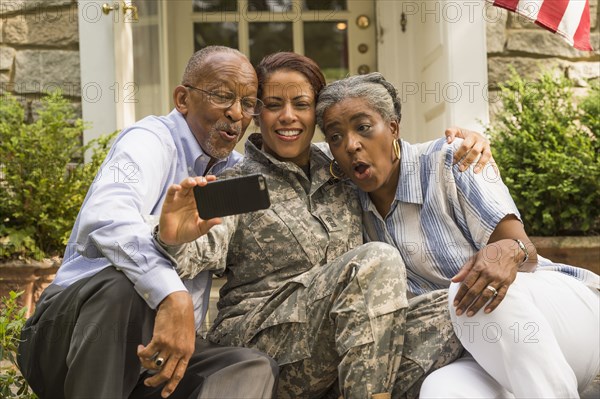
(12, 319)
(42, 178)
(547, 149)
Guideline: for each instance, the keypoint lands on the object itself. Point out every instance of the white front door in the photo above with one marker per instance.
(434, 52)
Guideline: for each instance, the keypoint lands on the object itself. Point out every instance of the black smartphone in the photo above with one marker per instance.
(232, 196)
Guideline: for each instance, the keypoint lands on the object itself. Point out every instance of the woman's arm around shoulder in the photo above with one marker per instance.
(474, 149)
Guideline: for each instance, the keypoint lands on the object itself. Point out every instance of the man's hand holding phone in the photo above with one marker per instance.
(179, 220)
(194, 206)
(232, 196)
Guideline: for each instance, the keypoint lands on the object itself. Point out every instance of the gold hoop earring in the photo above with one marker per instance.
(396, 146)
(333, 165)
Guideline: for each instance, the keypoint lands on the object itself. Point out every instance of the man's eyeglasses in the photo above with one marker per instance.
(224, 99)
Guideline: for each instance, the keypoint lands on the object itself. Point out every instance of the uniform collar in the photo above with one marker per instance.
(319, 162)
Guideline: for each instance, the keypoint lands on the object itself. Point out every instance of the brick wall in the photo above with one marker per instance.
(39, 50)
(512, 40)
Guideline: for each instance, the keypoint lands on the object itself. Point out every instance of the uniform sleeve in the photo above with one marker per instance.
(481, 200)
(207, 253)
(111, 224)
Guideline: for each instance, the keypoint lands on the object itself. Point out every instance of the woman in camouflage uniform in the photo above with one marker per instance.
(300, 286)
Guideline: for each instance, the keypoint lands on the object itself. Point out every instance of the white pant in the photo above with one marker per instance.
(542, 341)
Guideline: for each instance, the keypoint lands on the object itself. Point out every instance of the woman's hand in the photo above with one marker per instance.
(494, 266)
(474, 144)
(486, 276)
(179, 220)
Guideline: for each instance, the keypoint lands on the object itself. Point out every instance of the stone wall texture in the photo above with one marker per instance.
(39, 50)
(513, 40)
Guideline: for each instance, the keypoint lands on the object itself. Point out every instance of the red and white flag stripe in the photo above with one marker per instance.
(568, 18)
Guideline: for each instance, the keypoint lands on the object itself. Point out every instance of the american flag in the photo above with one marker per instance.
(568, 18)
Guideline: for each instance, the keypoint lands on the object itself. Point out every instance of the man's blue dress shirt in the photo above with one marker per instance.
(112, 228)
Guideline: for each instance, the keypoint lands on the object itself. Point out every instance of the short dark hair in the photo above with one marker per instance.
(287, 60)
(197, 61)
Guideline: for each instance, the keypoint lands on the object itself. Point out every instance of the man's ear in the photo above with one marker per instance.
(180, 98)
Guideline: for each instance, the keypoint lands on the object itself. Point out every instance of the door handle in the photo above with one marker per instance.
(107, 8)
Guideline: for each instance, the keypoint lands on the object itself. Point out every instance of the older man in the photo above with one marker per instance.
(118, 321)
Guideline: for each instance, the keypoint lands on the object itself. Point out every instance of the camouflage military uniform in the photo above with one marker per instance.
(301, 289)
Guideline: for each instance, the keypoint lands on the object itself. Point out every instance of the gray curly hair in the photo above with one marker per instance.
(380, 94)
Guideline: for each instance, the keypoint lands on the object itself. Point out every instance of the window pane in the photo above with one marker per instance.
(269, 37)
(215, 5)
(215, 33)
(147, 8)
(327, 43)
(324, 5)
(270, 5)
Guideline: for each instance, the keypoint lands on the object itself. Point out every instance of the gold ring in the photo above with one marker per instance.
(494, 291)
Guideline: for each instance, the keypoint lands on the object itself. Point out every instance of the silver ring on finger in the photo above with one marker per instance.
(159, 361)
(494, 291)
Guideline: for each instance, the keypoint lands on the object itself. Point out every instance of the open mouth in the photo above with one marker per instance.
(361, 170)
(228, 135)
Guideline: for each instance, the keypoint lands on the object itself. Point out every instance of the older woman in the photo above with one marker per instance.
(538, 333)
(300, 285)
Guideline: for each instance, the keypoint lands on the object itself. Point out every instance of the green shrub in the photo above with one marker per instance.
(12, 319)
(547, 151)
(43, 180)
(590, 107)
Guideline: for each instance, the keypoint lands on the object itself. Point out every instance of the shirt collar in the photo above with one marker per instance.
(189, 145)
(409, 182)
(196, 159)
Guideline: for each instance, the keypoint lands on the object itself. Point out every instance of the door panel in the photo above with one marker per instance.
(432, 63)
(324, 30)
(327, 42)
(206, 33)
(268, 37)
(434, 52)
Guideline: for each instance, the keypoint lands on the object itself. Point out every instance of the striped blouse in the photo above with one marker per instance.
(441, 217)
